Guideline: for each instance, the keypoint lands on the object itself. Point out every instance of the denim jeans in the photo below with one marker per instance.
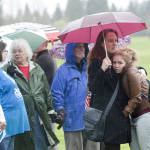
(7, 143)
(141, 132)
(39, 135)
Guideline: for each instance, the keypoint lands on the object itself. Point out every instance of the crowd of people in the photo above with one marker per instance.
(34, 95)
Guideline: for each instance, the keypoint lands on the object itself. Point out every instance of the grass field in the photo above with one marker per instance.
(142, 46)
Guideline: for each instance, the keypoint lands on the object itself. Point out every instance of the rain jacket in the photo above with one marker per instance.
(36, 97)
(136, 87)
(69, 89)
(13, 106)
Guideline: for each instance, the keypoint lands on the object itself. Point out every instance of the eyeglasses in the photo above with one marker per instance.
(5, 51)
(18, 51)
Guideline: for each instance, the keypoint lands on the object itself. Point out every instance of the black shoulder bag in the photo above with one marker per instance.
(95, 120)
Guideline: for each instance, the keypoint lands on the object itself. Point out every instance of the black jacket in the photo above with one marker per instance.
(102, 85)
(47, 63)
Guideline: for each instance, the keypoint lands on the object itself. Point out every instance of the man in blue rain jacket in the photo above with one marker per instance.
(69, 90)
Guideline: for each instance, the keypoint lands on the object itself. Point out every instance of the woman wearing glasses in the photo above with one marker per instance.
(34, 87)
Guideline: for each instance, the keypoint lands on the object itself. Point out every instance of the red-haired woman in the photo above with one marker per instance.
(102, 81)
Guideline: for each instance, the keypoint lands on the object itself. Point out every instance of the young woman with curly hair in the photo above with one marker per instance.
(136, 87)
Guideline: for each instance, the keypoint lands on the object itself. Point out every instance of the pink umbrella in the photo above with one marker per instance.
(86, 29)
(58, 50)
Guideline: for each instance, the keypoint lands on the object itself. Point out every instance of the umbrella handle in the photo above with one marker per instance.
(105, 47)
(104, 40)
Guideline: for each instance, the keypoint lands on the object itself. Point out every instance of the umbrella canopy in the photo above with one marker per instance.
(52, 35)
(58, 50)
(86, 29)
(34, 39)
(50, 32)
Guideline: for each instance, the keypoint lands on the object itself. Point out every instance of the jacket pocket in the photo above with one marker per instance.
(69, 119)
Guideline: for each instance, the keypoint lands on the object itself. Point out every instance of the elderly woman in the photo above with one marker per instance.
(34, 87)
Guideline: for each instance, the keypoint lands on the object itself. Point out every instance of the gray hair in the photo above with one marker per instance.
(21, 43)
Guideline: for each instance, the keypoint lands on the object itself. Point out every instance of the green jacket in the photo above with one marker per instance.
(36, 94)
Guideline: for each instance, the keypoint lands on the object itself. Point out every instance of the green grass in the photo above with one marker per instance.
(60, 136)
(142, 47)
(61, 146)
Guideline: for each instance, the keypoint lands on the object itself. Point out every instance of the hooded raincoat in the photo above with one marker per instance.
(69, 89)
(36, 94)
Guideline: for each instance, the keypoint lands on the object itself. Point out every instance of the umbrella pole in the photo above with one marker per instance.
(104, 40)
(105, 46)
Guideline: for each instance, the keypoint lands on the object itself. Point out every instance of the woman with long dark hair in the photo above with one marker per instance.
(102, 81)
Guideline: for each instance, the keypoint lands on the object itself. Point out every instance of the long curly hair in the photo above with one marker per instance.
(129, 56)
(98, 50)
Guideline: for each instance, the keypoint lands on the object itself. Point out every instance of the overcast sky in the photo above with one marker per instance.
(13, 5)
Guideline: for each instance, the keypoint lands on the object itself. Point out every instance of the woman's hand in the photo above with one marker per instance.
(2, 125)
(106, 64)
(126, 114)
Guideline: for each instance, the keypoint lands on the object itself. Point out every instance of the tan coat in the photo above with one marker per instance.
(135, 85)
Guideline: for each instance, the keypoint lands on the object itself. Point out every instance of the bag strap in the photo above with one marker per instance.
(102, 121)
(109, 105)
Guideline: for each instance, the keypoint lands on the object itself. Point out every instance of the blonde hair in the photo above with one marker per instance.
(128, 54)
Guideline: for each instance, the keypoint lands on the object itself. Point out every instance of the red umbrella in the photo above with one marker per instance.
(52, 35)
(86, 29)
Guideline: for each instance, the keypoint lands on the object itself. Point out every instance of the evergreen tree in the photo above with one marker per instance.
(144, 9)
(133, 7)
(96, 6)
(1, 14)
(113, 8)
(27, 16)
(45, 18)
(145, 12)
(9, 19)
(141, 11)
(37, 17)
(19, 17)
(74, 10)
(58, 14)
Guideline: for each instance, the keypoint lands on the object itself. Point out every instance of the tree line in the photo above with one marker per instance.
(74, 9)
